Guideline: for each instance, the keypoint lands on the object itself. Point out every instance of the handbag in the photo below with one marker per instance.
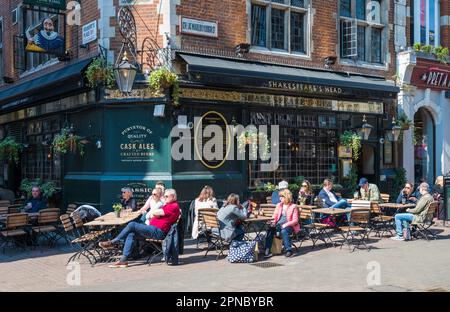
(242, 252)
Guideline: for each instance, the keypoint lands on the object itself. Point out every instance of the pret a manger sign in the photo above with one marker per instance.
(435, 77)
(431, 74)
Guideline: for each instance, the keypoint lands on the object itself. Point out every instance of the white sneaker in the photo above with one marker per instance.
(397, 238)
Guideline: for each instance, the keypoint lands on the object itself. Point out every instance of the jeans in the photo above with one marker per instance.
(136, 230)
(399, 219)
(239, 233)
(342, 204)
(285, 235)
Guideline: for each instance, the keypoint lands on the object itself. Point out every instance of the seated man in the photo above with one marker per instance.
(37, 202)
(128, 202)
(275, 194)
(369, 191)
(406, 195)
(160, 225)
(415, 215)
(329, 197)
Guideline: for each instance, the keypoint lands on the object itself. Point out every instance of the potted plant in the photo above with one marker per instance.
(161, 80)
(403, 121)
(351, 140)
(117, 208)
(100, 73)
(252, 138)
(66, 141)
(10, 150)
(440, 53)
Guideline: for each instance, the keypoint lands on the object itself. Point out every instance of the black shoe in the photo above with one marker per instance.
(288, 254)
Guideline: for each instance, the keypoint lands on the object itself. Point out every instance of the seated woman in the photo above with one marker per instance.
(285, 222)
(230, 217)
(153, 203)
(205, 199)
(306, 195)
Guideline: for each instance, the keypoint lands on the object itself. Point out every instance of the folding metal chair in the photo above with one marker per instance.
(312, 229)
(47, 225)
(201, 226)
(213, 237)
(14, 233)
(358, 232)
(380, 223)
(423, 229)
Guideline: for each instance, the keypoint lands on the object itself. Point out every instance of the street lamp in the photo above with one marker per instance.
(393, 131)
(365, 129)
(125, 74)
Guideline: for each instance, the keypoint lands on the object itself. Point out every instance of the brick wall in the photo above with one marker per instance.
(232, 18)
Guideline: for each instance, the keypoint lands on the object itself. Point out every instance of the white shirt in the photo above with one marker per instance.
(210, 203)
(331, 196)
(154, 205)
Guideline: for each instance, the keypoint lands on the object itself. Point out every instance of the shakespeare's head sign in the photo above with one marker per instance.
(45, 39)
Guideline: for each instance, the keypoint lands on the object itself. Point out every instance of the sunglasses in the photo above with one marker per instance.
(155, 194)
(281, 196)
(165, 196)
(305, 185)
(407, 187)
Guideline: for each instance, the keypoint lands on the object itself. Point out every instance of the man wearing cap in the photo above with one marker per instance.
(281, 186)
(369, 191)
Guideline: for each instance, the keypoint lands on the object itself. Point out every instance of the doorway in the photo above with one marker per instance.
(424, 147)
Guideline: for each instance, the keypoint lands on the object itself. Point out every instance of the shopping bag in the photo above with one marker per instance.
(242, 252)
(277, 245)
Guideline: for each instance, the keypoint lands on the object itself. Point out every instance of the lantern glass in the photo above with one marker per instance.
(125, 74)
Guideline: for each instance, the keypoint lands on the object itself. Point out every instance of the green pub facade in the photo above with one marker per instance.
(128, 144)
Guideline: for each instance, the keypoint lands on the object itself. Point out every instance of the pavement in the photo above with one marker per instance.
(389, 266)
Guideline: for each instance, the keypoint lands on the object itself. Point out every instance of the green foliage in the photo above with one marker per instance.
(439, 52)
(10, 150)
(299, 180)
(117, 207)
(66, 141)
(294, 187)
(417, 46)
(48, 189)
(403, 120)
(351, 140)
(162, 79)
(99, 72)
(398, 182)
(269, 187)
(351, 181)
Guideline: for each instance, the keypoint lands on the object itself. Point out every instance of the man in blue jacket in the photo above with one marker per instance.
(329, 197)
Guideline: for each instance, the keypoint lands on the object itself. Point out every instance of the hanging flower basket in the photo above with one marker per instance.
(66, 141)
(254, 139)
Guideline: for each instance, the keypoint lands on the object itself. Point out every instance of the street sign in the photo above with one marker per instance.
(55, 4)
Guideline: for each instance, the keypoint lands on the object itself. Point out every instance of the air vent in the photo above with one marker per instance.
(266, 265)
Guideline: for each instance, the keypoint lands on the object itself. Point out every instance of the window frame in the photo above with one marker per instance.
(416, 22)
(368, 26)
(287, 8)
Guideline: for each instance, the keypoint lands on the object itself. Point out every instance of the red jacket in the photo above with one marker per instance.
(291, 215)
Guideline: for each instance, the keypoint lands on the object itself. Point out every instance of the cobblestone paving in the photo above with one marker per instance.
(404, 266)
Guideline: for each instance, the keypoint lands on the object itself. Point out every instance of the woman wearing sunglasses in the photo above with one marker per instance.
(306, 195)
(153, 203)
(285, 222)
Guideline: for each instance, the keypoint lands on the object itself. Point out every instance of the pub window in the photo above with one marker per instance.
(308, 144)
(39, 162)
(361, 30)
(279, 25)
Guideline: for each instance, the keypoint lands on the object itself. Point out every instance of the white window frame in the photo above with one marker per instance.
(15, 13)
(287, 25)
(384, 19)
(437, 22)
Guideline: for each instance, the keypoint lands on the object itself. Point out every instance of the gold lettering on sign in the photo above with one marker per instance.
(282, 100)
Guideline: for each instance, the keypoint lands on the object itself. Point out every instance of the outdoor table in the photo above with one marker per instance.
(331, 211)
(398, 207)
(256, 225)
(110, 219)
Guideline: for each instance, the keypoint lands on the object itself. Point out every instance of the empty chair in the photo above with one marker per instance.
(357, 233)
(71, 208)
(14, 233)
(385, 197)
(47, 225)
